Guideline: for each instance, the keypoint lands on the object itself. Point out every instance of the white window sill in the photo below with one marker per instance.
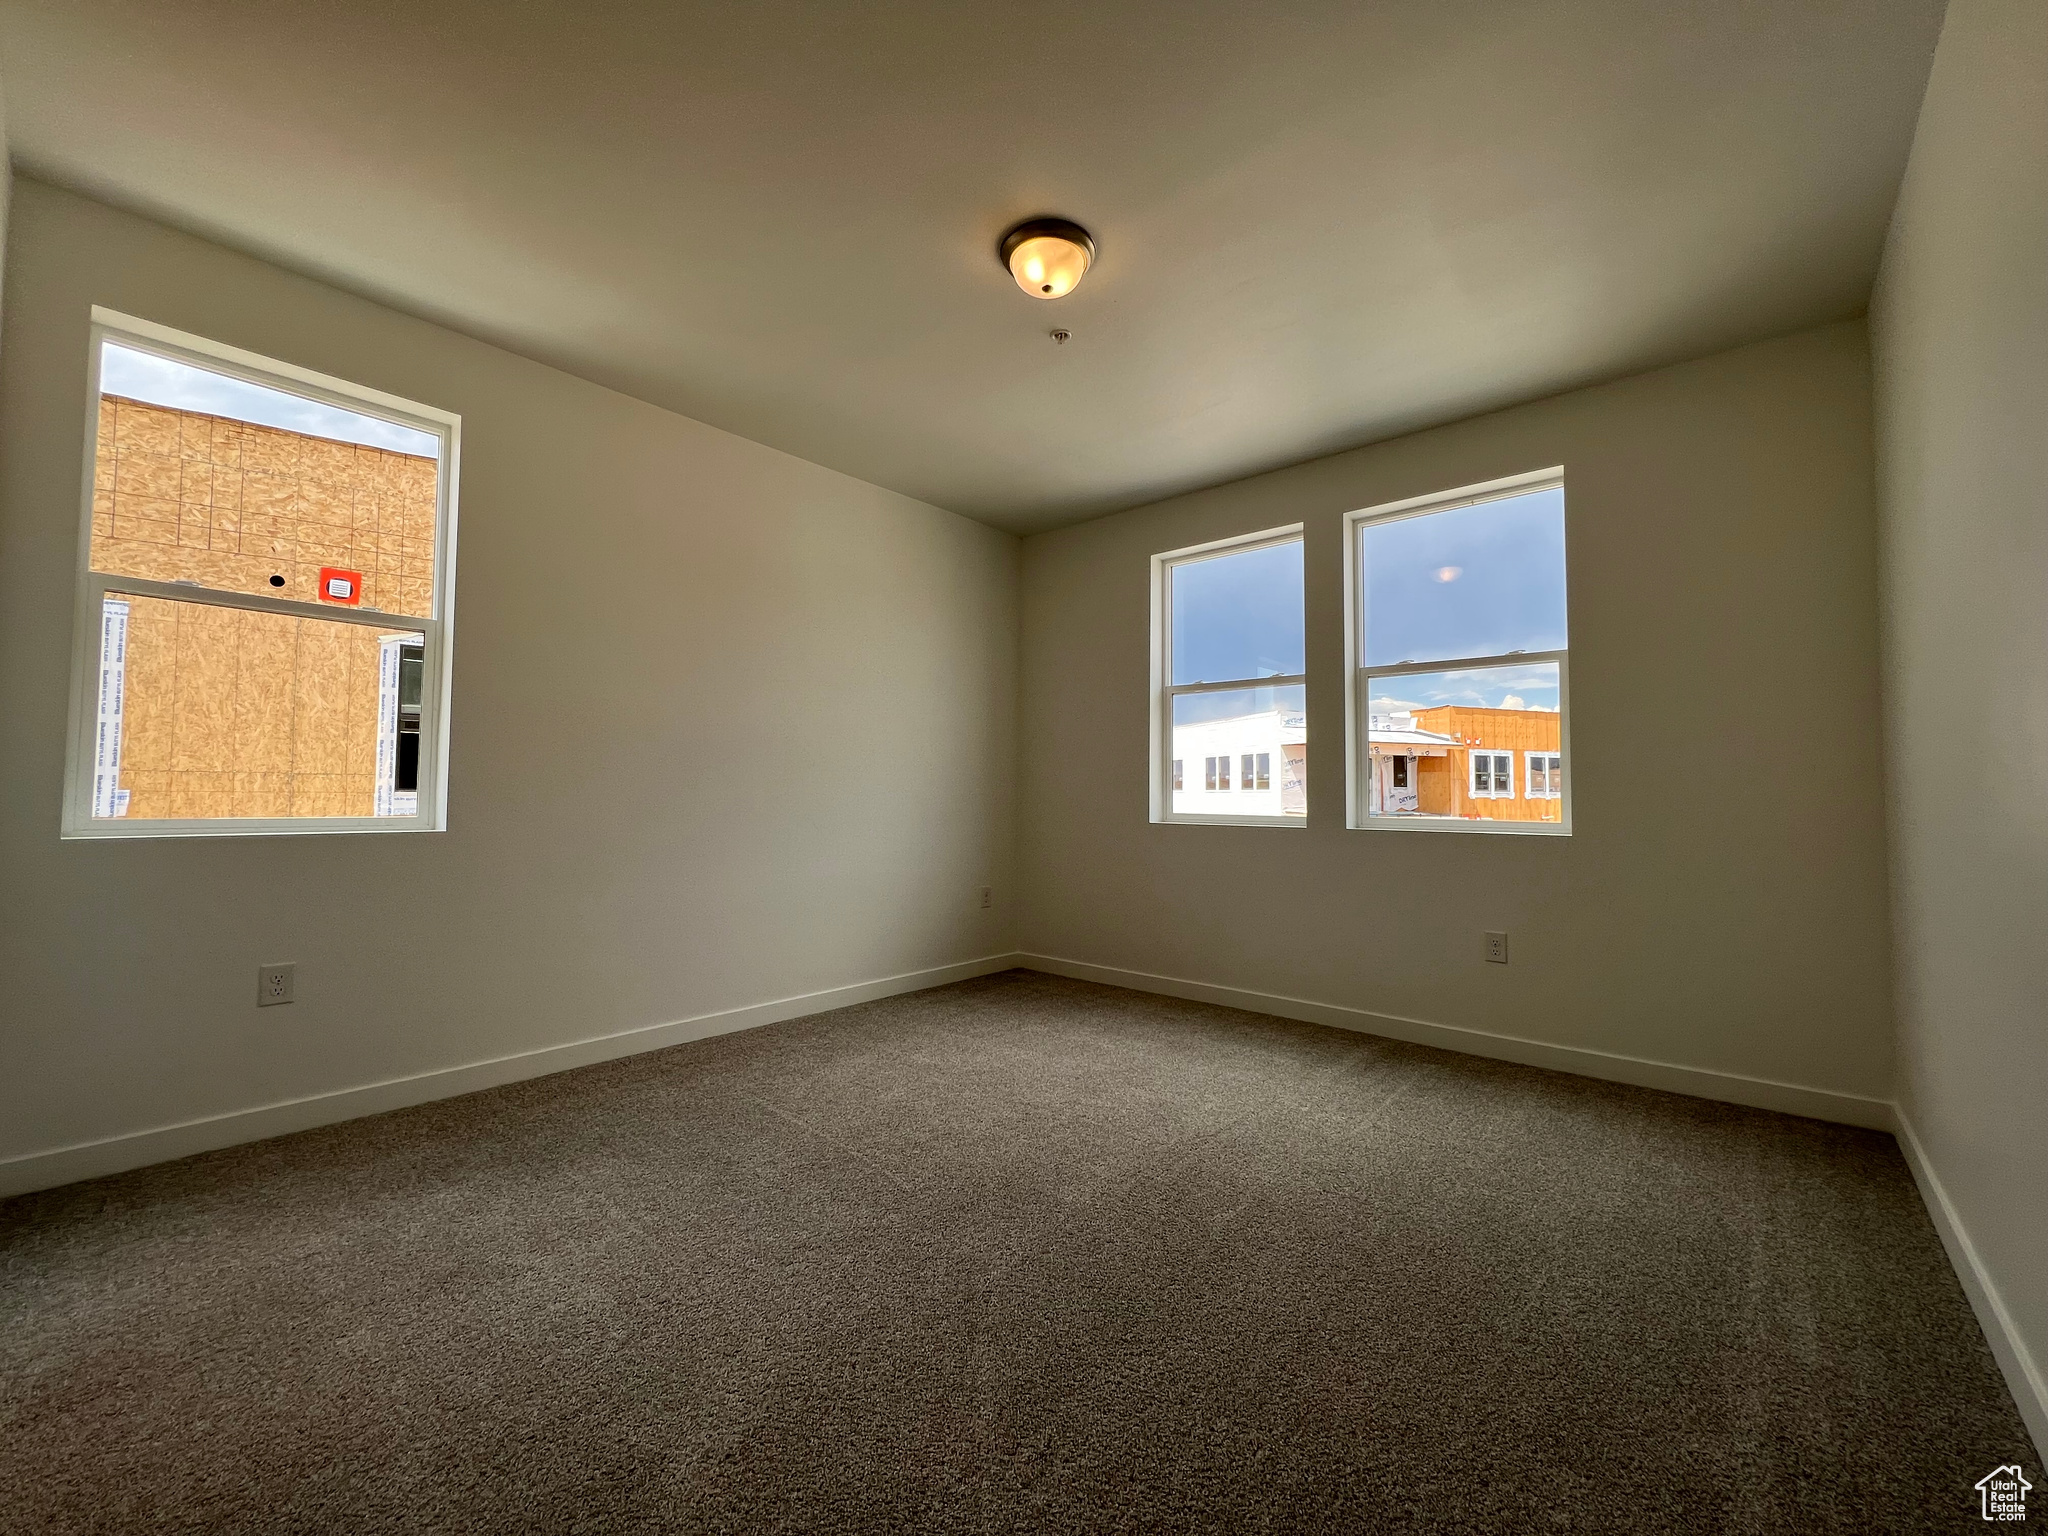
(249, 826)
(1461, 824)
(1183, 819)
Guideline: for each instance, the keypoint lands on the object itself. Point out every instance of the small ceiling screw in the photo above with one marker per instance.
(1060, 337)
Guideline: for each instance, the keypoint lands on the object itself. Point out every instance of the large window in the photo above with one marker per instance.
(264, 597)
(1228, 643)
(1459, 644)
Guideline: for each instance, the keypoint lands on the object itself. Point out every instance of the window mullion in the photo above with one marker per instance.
(1291, 680)
(100, 583)
(1462, 663)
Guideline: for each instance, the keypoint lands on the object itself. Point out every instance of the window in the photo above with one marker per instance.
(1460, 665)
(264, 599)
(1492, 775)
(1176, 773)
(1228, 647)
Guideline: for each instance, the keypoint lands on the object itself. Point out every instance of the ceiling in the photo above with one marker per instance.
(1320, 223)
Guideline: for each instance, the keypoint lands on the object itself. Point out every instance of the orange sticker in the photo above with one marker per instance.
(338, 586)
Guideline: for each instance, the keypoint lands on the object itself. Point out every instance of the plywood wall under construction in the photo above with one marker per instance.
(184, 496)
(232, 713)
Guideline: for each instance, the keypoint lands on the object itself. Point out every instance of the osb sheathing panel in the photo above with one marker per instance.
(183, 496)
(148, 732)
(264, 708)
(232, 713)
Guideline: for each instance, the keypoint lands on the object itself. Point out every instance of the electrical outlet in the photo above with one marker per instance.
(988, 896)
(275, 983)
(1497, 948)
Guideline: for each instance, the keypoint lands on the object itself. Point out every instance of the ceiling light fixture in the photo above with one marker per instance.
(1047, 256)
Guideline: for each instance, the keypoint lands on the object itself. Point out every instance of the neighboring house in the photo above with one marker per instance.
(1481, 764)
(1456, 760)
(1246, 765)
(1398, 750)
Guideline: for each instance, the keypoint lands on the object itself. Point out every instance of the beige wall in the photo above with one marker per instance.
(1960, 327)
(643, 604)
(1722, 904)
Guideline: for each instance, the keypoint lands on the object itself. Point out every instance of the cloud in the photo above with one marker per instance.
(1512, 685)
(165, 381)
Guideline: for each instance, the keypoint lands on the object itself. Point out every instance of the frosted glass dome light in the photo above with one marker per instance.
(1048, 257)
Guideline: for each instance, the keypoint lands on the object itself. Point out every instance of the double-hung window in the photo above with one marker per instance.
(265, 583)
(1228, 651)
(1460, 659)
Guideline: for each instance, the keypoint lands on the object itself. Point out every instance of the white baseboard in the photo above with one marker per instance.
(115, 1154)
(1700, 1082)
(2022, 1372)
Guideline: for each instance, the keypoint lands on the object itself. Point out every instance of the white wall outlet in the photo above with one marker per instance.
(1497, 948)
(988, 895)
(275, 983)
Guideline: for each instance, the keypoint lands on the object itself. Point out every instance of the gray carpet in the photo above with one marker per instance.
(1021, 1254)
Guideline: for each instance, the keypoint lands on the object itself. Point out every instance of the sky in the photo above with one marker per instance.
(1533, 686)
(1482, 580)
(1238, 615)
(162, 381)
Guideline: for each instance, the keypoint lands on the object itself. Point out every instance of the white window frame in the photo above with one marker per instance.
(1358, 696)
(1529, 790)
(1495, 756)
(437, 626)
(1164, 690)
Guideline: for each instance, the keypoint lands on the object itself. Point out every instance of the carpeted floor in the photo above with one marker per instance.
(1021, 1254)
